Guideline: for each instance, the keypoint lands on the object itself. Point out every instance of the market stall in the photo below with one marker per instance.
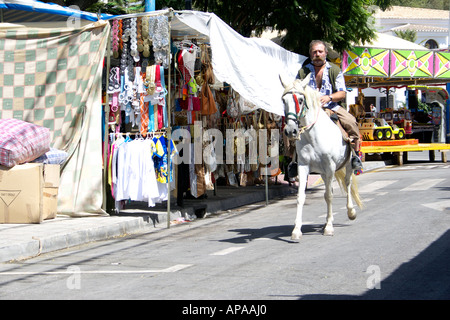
(213, 83)
(51, 77)
(149, 89)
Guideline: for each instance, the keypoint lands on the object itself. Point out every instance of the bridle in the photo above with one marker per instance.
(296, 117)
(298, 113)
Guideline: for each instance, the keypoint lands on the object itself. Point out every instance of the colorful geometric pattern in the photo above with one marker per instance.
(442, 65)
(366, 62)
(388, 63)
(411, 64)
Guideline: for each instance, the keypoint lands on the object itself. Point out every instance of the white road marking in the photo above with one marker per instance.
(174, 268)
(440, 206)
(325, 215)
(371, 187)
(268, 236)
(422, 185)
(226, 251)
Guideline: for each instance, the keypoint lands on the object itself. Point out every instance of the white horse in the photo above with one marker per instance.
(320, 148)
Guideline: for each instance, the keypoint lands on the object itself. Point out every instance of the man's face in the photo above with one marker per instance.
(318, 54)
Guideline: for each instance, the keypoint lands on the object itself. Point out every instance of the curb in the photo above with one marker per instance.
(32, 241)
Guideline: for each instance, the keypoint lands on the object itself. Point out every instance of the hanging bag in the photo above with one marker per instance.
(208, 105)
(208, 74)
(232, 107)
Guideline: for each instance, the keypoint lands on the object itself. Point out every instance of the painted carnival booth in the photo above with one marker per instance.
(390, 62)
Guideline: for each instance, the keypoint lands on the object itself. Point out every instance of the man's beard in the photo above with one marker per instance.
(318, 62)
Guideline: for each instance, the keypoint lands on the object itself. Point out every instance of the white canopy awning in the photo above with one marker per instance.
(250, 65)
(387, 41)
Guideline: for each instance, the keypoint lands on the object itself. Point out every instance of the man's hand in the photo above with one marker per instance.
(337, 96)
(324, 100)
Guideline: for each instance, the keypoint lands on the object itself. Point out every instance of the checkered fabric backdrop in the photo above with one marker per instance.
(46, 76)
(52, 77)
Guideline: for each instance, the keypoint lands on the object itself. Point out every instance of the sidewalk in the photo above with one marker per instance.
(21, 241)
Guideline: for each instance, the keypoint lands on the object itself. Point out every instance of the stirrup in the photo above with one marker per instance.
(356, 162)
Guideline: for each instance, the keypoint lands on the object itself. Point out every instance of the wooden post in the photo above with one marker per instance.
(399, 157)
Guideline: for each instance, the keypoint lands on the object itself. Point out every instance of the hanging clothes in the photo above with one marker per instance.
(161, 159)
(139, 169)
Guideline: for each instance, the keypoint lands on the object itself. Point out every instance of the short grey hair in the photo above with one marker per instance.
(314, 42)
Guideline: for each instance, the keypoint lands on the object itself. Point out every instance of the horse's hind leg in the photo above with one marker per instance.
(302, 181)
(351, 212)
(328, 230)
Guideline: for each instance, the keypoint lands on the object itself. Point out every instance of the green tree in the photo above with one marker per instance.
(339, 22)
(410, 35)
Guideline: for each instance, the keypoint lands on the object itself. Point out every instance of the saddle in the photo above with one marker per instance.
(333, 116)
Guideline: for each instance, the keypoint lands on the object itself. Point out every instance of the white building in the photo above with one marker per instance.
(431, 25)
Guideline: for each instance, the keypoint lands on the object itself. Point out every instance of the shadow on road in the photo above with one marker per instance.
(425, 277)
(281, 233)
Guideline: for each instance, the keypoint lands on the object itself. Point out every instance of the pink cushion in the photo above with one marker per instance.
(21, 141)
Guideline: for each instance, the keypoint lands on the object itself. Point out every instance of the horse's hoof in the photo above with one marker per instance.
(328, 232)
(296, 236)
(351, 214)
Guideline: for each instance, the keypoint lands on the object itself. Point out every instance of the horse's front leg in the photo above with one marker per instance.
(328, 230)
(302, 181)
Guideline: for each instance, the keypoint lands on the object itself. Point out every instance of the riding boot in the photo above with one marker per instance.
(356, 160)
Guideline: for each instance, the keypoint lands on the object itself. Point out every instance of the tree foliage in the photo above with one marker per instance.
(410, 35)
(339, 22)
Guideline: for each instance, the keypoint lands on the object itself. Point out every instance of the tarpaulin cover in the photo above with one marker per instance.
(52, 77)
(37, 11)
(250, 65)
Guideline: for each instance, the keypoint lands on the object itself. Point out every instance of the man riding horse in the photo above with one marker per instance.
(328, 79)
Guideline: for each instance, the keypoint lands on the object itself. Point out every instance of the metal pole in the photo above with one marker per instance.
(149, 5)
(169, 135)
(267, 185)
(447, 117)
(447, 103)
(387, 97)
(105, 136)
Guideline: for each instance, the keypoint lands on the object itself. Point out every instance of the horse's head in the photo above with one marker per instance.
(294, 105)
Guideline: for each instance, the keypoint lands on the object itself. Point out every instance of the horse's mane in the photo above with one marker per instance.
(311, 96)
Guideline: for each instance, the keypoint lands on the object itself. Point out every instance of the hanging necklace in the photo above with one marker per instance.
(133, 40)
(115, 38)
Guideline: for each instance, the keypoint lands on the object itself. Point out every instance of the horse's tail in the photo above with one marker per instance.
(340, 177)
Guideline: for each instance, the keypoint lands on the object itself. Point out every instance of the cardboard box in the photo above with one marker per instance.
(28, 193)
(50, 191)
(21, 197)
(50, 205)
(51, 175)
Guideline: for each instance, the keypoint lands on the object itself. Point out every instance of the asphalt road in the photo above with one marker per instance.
(397, 248)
